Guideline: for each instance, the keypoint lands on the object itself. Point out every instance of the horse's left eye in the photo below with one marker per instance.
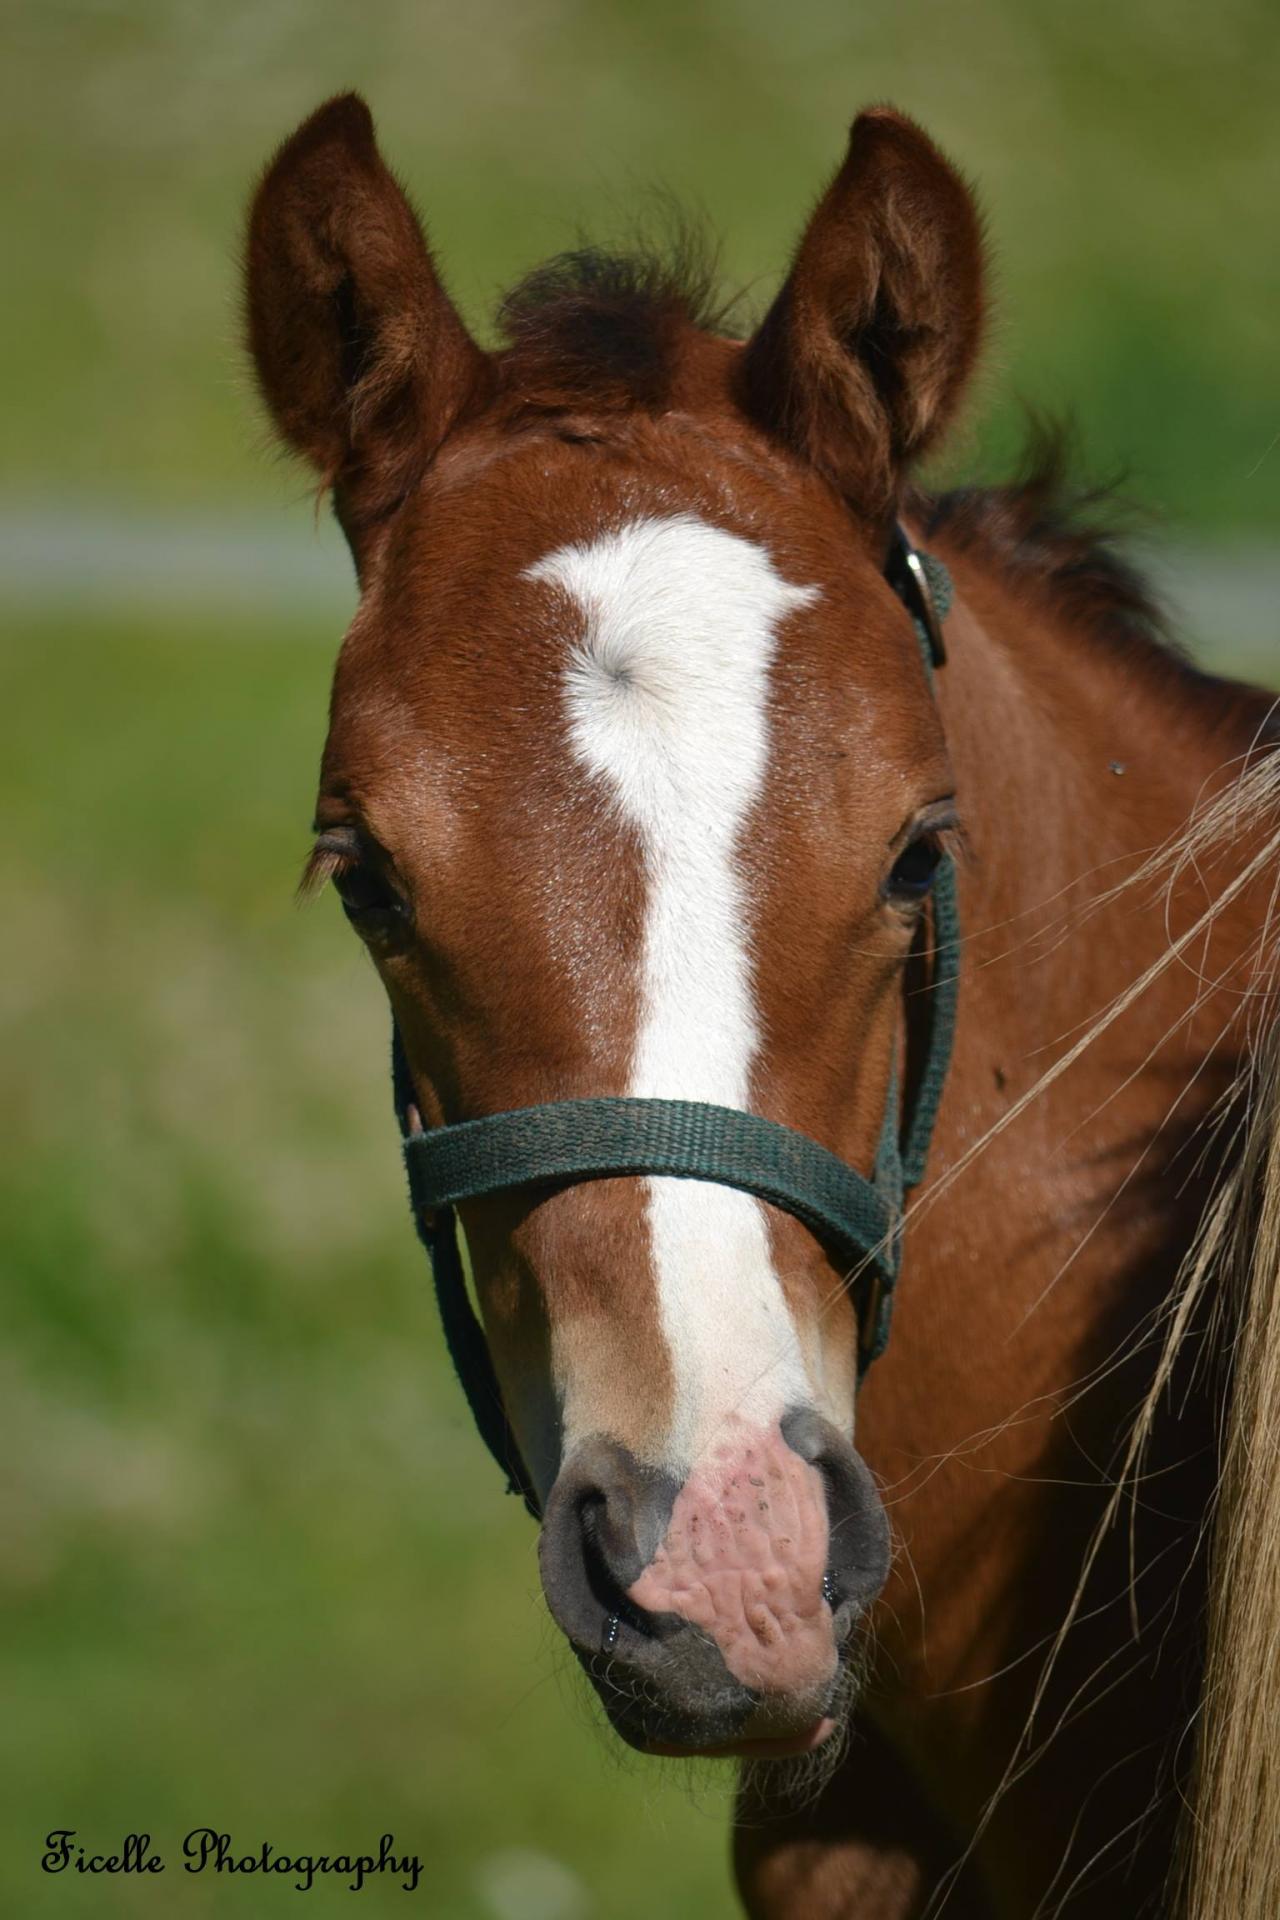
(912, 873)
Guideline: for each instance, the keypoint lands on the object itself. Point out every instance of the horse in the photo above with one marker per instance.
(653, 747)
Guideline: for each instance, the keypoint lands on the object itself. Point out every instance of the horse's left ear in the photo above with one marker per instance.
(860, 363)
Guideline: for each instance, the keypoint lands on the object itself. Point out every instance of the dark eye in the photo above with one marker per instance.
(366, 897)
(912, 873)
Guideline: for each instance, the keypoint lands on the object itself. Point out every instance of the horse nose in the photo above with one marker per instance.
(720, 1600)
(775, 1541)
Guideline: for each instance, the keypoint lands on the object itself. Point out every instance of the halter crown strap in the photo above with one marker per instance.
(568, 1141)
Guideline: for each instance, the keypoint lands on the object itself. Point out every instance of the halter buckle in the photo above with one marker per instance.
(909, 578)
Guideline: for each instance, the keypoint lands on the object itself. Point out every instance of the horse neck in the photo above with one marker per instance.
(1060, 1198)
(1077, 756)
(1075, 759)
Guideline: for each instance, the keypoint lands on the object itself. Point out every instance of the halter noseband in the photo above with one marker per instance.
(563, 1142)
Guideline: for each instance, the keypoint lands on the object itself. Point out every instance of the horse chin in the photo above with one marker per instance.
(766, 1747)
(760, 1729)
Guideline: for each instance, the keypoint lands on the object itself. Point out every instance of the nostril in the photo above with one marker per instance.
(604, 1519)
(858, 1550)
(603, 1583)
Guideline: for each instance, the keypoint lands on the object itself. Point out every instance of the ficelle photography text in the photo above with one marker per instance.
(206, 1850)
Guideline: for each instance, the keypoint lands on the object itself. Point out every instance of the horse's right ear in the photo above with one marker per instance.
(359, 352)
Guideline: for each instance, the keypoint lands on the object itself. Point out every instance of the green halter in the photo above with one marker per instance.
(859, 1220)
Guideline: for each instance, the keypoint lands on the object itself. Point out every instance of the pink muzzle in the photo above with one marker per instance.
(743, 1559)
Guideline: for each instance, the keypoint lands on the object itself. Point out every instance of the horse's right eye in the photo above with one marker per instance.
(367, 899)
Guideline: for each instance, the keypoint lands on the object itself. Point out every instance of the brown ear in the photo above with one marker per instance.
(860, 363)
(360, 355)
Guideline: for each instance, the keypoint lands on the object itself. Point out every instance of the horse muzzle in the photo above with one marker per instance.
(713, 1613)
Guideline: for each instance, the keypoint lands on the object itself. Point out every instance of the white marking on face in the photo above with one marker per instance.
(667, 692)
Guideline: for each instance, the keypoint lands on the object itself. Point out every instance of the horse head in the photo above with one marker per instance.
(635, 788)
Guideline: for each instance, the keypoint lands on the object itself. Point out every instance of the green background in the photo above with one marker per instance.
(257, 1572)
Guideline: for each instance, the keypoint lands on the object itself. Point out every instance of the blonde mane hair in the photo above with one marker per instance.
(1228, 1866)
(1230, 1863)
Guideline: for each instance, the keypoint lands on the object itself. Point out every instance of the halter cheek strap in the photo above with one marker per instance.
(565, 1142)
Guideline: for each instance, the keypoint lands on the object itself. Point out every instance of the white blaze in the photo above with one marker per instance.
(667, 694)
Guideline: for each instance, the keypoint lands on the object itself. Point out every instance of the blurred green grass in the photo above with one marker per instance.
(257, 1571)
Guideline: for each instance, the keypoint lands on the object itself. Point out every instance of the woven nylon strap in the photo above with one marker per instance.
(568, 1141)
(572, 1140)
